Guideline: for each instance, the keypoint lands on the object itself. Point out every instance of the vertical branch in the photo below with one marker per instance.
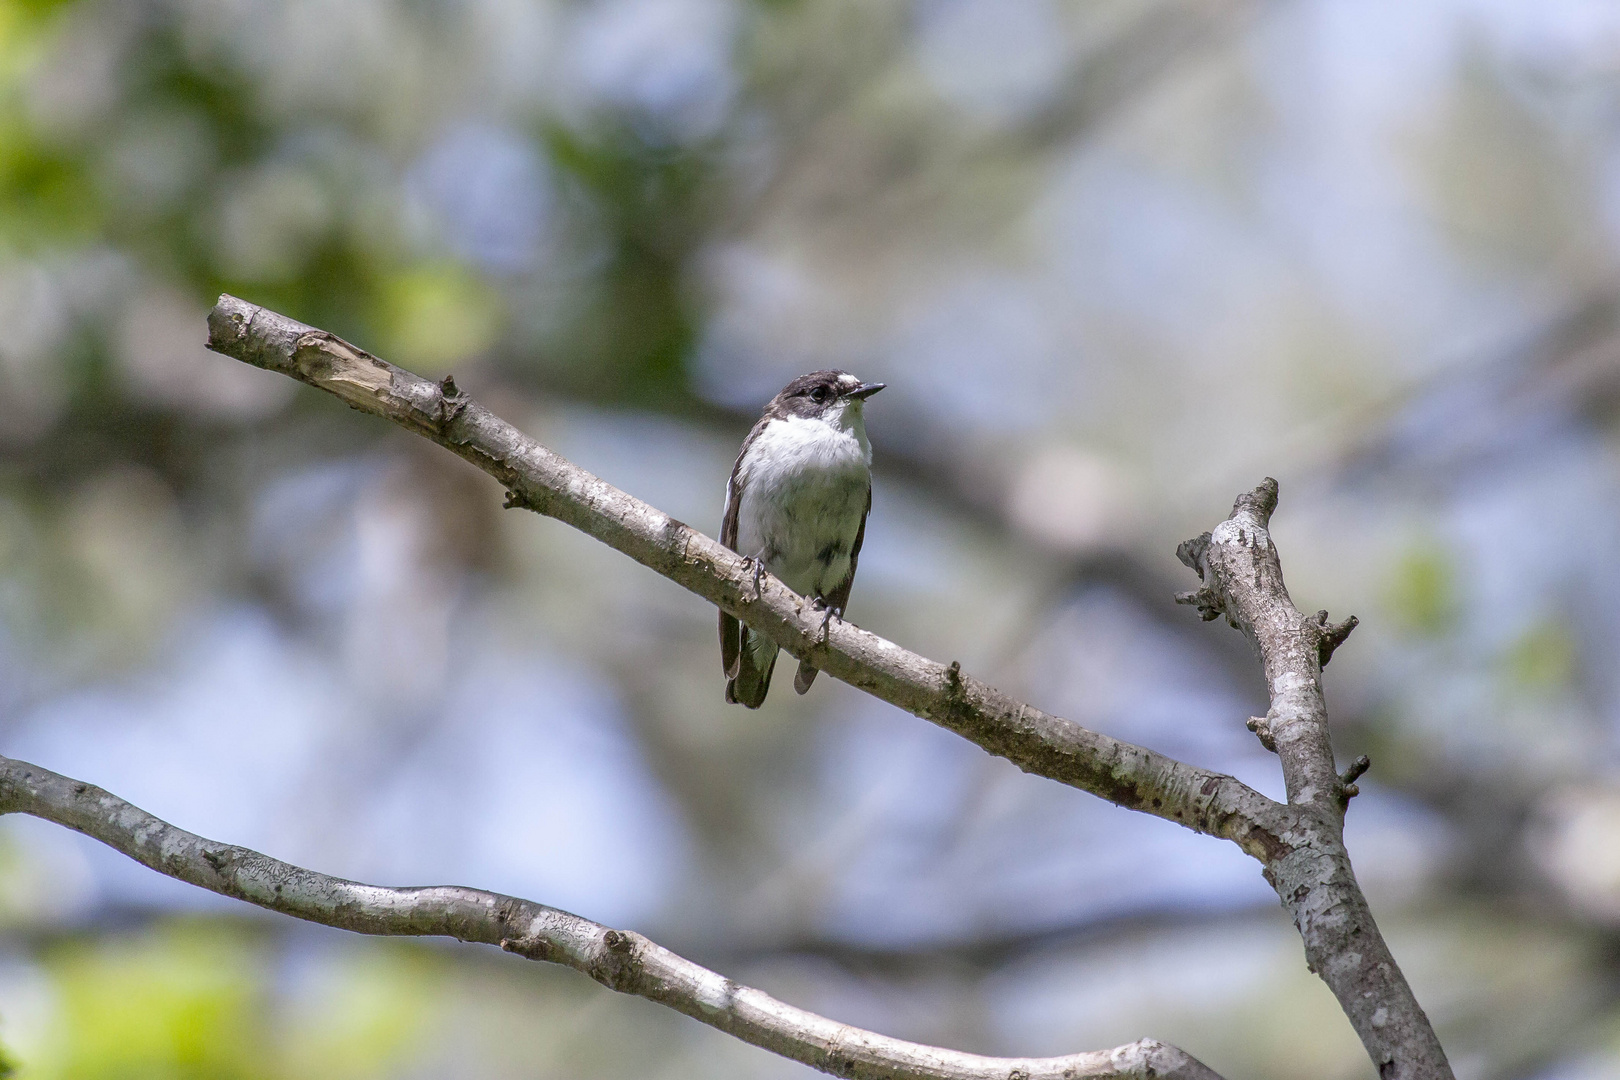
(1242, 579)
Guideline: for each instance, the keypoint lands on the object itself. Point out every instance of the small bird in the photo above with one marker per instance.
(796, 505)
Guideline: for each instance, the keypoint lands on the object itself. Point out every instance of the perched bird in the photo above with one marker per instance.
(796, 505)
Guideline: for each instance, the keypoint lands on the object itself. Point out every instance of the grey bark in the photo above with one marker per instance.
(1243, 580)
(1300, 844)
(618, 959)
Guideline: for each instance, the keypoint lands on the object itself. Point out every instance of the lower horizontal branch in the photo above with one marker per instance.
(620, 960)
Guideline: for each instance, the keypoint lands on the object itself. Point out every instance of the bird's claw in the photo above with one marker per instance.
(827, 613)
(758, 565)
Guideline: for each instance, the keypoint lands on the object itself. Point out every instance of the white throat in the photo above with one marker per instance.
(847, 414)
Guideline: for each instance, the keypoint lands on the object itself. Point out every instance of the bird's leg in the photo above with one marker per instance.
(828, 611)
(758, 564)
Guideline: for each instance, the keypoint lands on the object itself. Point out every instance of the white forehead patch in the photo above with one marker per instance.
(848, 381)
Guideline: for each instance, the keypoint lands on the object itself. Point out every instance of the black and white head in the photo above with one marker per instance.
(834, 397)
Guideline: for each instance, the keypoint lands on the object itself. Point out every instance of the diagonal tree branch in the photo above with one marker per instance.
(1300, 845)
(1243, 580)
(618, 959)
(1130, 776)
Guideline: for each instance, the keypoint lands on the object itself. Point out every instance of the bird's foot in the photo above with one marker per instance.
(827, 614)
(758, 565)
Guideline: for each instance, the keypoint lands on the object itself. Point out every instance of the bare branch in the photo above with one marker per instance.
(618, 959)
(536, 478)
(1243, 580)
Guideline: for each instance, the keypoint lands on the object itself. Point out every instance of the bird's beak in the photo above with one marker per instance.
(866, 390)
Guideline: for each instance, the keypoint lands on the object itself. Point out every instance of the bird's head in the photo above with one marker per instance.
(835, 397)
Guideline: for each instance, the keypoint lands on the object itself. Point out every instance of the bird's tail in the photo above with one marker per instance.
(755, 662)
(806, 676)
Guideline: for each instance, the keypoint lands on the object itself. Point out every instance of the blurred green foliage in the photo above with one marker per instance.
(432, 314)
(648, 202)
(45, 194)
(195, 999)
(184, 1000)
(1422, 590)
(192, 172)
(1543, 658)
(365, 1016)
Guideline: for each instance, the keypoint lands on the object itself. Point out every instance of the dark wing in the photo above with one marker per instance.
(730, 640)
(838, 599)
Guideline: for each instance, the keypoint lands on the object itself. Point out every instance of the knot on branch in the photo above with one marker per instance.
(953, 677)
(619, 963)
(1261, 726)
(1347, 779)
(1331, 635)
(451, 401)
(1206, 600)
(1192, 554)
(514, 501)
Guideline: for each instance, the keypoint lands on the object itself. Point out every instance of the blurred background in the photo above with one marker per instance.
(1117, 259)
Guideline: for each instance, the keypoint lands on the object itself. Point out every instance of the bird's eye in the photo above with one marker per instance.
(818, 395)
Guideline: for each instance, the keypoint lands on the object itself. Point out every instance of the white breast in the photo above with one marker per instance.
(804, 484)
